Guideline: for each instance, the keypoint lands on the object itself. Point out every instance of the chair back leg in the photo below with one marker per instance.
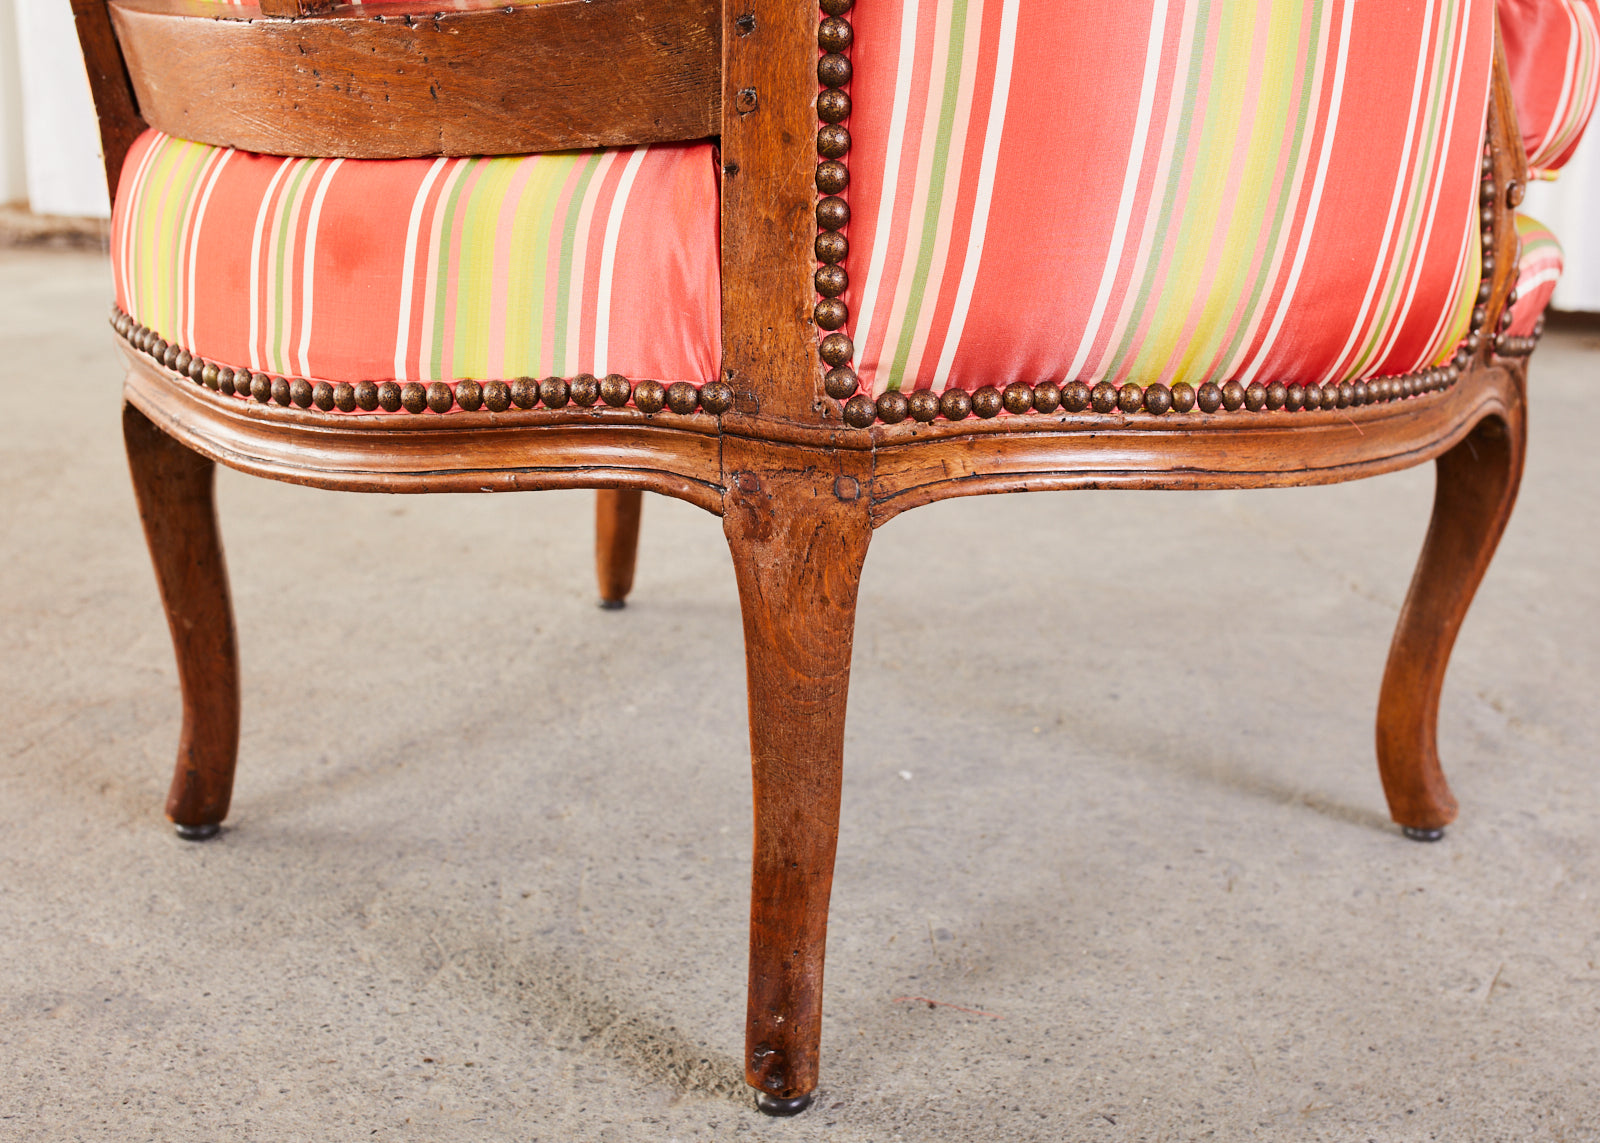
(1476, 488)
(616, 542)
(174, 487)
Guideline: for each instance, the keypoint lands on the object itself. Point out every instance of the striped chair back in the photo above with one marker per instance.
(1163, 190)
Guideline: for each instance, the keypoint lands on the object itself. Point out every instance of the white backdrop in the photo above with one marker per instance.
(49, 143)
(60, 137)
(50, 156)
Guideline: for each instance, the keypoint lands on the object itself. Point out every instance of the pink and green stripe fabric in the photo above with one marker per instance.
(1553, 55)
(425, 269)
(1538, 270)
(1163, 190)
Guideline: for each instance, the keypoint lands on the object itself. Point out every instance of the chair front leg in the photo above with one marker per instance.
(1475, 491)
(174, 487)
(798, 537)
(616, 543)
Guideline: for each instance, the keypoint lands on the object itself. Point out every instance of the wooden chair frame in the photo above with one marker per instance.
(800, 476)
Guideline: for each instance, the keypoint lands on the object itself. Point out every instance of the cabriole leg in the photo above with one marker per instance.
(616, 542)
(1476, 488)
(798, 537)
(174, 488)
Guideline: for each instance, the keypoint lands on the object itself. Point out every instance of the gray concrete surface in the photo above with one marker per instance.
(486, 873)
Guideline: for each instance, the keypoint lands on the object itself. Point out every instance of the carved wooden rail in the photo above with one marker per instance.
(392, 83)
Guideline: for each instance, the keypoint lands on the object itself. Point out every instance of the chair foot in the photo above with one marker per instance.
(612, 604)
(1417, 834)
(203, 832)
(782, 1108)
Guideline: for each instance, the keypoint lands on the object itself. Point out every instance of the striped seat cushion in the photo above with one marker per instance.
(1162, 190)
(1553, 54)
(1538, 271)
(425, 269)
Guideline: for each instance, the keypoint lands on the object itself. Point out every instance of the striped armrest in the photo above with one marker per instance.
(1553, 53)
(1538, 270)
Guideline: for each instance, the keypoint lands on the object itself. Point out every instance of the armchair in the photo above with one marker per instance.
(938, 248)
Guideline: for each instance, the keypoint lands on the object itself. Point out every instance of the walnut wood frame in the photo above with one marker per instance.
(403, 81)
(799, 489)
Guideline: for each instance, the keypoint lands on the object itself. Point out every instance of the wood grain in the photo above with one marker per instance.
(797, 526)
(293, 8)
(769, 344)
(581, 73)
(173, 486)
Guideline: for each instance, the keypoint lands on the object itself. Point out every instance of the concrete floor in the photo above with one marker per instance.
(486, 872)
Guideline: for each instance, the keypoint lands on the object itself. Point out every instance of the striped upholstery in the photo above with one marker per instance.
(422, 269)
(1553, 53)
(1162, 190)
(1538, 270)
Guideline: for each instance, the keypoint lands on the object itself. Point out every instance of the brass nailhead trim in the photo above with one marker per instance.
(1020, 398)
(1508, 346)
(1503, 343)
(584, 390)
(830, 313)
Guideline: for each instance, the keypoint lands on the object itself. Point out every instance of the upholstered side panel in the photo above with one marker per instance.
(1538, 270)
(1553, 54)
(425, 270)
(1163, 190)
